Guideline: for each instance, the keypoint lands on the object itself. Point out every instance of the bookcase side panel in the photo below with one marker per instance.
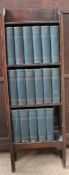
(4, 142)
(66, 71)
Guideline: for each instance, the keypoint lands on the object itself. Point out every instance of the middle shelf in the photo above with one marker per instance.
(29, 66)
(49, 105)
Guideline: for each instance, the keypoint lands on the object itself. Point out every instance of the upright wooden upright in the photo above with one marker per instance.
(32, 17)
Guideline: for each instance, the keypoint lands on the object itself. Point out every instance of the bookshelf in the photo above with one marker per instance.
(32, 18)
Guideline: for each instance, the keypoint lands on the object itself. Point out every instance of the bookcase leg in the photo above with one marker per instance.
(12, 156)
(12, 163)
(64, 157)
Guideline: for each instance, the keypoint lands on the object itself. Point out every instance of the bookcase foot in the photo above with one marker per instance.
(13, 166)
(13, 169)
(64, 163)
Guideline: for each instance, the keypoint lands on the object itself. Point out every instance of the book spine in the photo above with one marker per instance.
(41, 115)
(56, 85)
(21, 86)
(10, 45)
(47, 81)
(45, 36)
(50, 123)
(18, 39)
(39, 85)
(33, 125)
(54, 34)
(37, 49)
(12, 87)
(24, 123)
(28, 44)
(15, 123)
(30, 86)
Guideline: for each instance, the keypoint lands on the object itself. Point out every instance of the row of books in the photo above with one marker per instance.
(33, 125)
(34, 86)
(32, 44)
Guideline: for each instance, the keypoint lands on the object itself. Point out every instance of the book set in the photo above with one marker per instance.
(33, 45)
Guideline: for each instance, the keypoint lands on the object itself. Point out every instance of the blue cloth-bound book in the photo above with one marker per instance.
(37, 49)
(10, 45)
(56, 85)
(12, 87)
(33, 125)
(30, 86)
(47, 81)
(50, 123)
(39, 86)
(41, 115)
(18, 39)
(28, 44)
(15, 123)
(54, 35)
(21, 86)
(24, 123)
(45, 36)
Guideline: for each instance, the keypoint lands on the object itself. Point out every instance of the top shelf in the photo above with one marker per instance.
(31, 16)
(31, 23)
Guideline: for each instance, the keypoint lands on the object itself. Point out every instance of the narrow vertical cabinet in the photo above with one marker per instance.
(33, 54)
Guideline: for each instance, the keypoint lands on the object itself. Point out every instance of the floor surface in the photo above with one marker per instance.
(35, 163)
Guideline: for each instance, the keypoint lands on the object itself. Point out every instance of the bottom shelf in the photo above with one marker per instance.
(29, 145)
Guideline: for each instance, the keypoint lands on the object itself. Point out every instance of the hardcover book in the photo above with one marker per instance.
(37, 49)
(24, 123)
(10, 45)
(15, 120)
(30, 86)
(12, 84)
(41, 115)
(21, 86)
(54, 34)
(39, 85)
(47, 81)
(28, 44)
(50, 124)
(33, 125)
(19, 50)
(56, 85)
(45, 36)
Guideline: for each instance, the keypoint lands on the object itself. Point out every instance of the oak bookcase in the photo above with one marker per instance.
(33, 17)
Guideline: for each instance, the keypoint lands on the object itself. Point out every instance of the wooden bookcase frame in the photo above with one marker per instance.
(32, 17)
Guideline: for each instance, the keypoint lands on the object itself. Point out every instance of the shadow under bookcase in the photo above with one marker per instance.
(36, 17)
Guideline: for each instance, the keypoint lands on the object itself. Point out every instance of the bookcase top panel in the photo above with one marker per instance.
(32, 15)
